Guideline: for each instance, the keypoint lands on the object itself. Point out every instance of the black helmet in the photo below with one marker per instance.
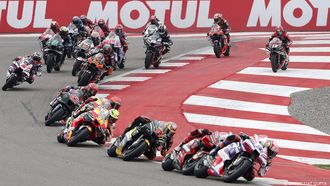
(64, 31)
(107, 49)
(76, 20)
(36, 56)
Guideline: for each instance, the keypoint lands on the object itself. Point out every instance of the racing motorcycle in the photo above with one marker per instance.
(54, 52)
(76, 36)
(219, 41)
(81, 52)
(62, 106)
(238, 158)
(278, 56)
(90, 128)
(118, 50)
(43, 38)
(186, 159)
(138, 140)
(92, 71)
(17, 73)
(154, 45)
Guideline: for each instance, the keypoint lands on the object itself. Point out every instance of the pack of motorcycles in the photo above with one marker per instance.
(238, 159)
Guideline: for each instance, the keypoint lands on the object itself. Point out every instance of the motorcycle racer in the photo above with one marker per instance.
(223, 23)
(283, 36)
(32, 64)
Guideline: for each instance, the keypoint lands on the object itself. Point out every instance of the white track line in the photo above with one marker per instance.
(291, 72)
(237, 105)
(151, 71)
(112, 87)
(251, 124)
(311, 42)
(190, 58)
(130, 78)
(172, 64)
(310, 59)
(318, 37)
(277, 90)
(311, 161)
(301, 145)
(307, 49)
(208, 51)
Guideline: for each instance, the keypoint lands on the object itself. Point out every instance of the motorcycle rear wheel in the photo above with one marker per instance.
(130, 154)
(239, 170)
(76, 67)
(50, 63)
(227, 53)
(167, 163)
(79, 137)
(9, 83)
(189, 165)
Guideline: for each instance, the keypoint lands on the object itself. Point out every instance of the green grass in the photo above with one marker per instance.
(323, 166)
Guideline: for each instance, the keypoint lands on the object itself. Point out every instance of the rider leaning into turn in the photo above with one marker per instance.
(269, 149)
(164, 130)
(223, 23)
(33, 61)
(87, 91)
(283, 36)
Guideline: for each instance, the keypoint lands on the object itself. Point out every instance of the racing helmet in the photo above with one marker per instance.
(119, 28)
(83, 18)
(64, 31)
(217, 17)
(272, 148)
(107, 49)
(36, 56)
(153, 19)
(54, 25)
(113, 115)
(95, 36)
(171, 127)
(90, 90)
(279, 30)
(161, 29)
(115, 102)
(101, 23)
(76, 20)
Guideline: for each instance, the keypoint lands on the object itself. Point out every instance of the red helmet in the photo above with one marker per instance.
(90, 90)
(119, 28)
(115, 102)
(217, 17)
(272, 148)
(279, 30)
(101, 23)
(153, 19)
(54, 25)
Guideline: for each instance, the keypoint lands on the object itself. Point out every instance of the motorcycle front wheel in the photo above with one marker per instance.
(138, 150)
(10, 82)
(237, 171)
(200, 170)
(148, 59)
(112, 151)
(189, 165)
(84, 79)
(81, 136)
(167, 163)
(274, 61)
(216, 49)
(56, 116)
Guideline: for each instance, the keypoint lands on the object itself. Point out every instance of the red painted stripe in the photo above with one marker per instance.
(245, 96)
(307, 65)
(297, 82)
(239, 114)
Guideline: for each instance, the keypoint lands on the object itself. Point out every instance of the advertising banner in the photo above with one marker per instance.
(30, 16)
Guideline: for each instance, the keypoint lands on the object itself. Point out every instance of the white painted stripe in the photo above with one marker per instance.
(319, 37)
(130, 78)
(190, 58)
(112, 87)
(301, 145)
(291, 72)
(172, 64)
(315, 34)
(251, 124)
(208, 51)
(277, 90)
(307, 49)
(311, 161)
(237, 105)
(101, 95)
(303, 59)
(311, 42)
(150, 71)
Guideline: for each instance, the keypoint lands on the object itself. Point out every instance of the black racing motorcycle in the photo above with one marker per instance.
(62, 106)
(278, 56)
(53, 53)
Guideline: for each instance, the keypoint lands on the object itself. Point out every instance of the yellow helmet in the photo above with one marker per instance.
(114, 113)
(171, 126)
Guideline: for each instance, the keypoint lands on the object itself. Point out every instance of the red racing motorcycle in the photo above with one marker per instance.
(190, 154)
(219, 41)
(278, 56)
